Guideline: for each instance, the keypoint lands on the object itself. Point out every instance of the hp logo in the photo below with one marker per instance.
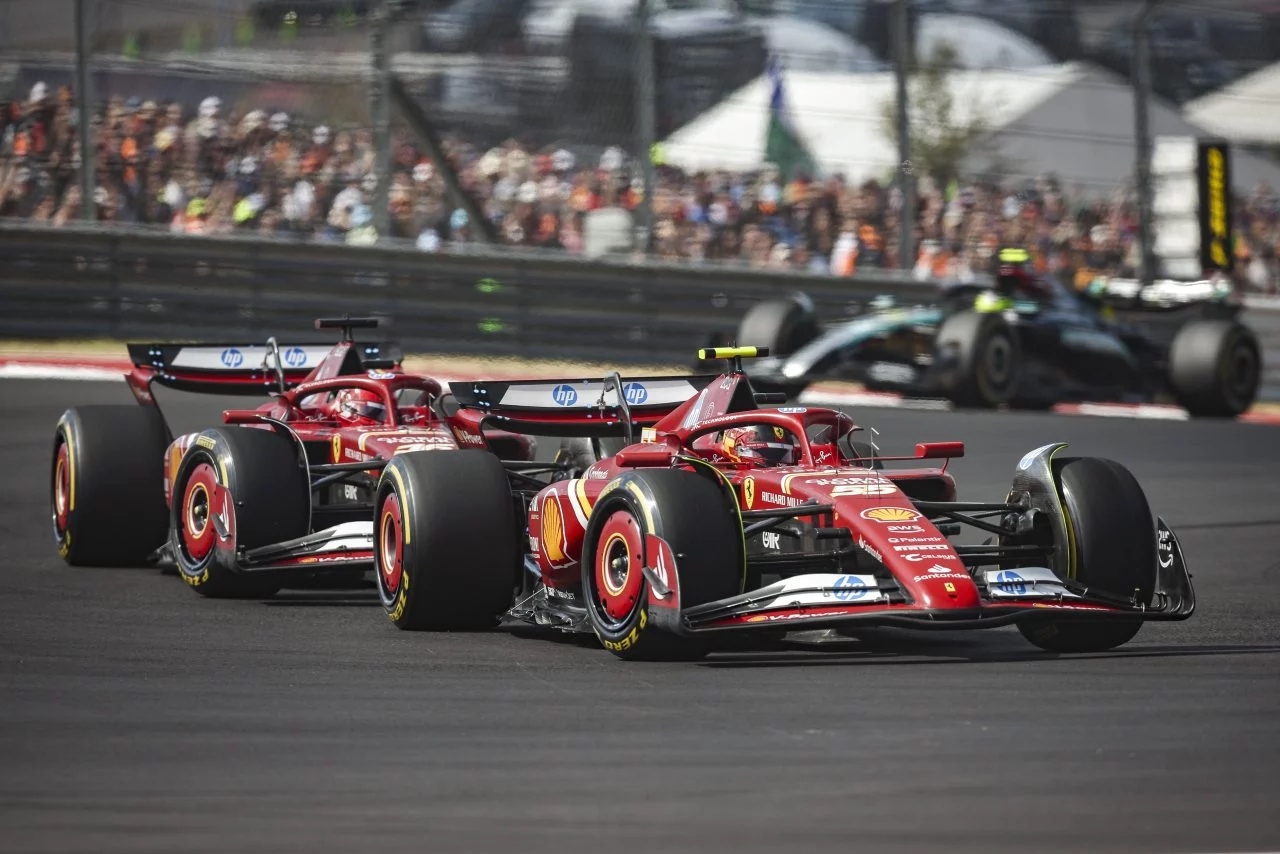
(849, 587)
(564, 395)
(635, 393)
(232, 358)
(1010, 581)
(295, 357)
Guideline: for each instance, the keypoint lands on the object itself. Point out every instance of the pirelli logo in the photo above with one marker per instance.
(1214, 177)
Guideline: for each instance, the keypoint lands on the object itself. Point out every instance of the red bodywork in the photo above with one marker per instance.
(875, 508)
(418, 423)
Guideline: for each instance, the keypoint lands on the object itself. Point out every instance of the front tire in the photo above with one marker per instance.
(782, 325)
(693, 515)
(107, 485)
(1215, 367)
(1112, 548)
(985, 359)
(446, 546)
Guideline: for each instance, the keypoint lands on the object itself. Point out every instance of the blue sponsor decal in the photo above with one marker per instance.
(794, 410)
(381, 375)
(1011, 582)
(295, 357)
(232, 358)
(848, 587)
(564, 395)
(635, 393)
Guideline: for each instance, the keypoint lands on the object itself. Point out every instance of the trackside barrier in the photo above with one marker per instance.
(137, 284)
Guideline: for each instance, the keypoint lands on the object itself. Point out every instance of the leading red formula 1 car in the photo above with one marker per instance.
(727, 517)
(274, 492)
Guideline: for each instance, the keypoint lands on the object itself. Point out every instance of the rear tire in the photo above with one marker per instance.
(446, 547)
(1215, 367)
(783, 326)
(688, 511)
(252, 475)
(986, 365)
(1113, 550)
(107, 485)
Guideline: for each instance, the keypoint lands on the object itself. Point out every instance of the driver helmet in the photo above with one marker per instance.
(1012, 277)
(760, 445)
(359, 406)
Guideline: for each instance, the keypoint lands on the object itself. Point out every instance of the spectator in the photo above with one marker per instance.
(216, 169)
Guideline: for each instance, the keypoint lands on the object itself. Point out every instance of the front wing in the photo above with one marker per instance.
(825, 600)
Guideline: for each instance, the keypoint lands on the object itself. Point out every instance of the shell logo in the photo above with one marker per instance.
(890, 514)
(552, 530)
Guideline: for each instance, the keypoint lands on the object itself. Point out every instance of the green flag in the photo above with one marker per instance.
(783, 145)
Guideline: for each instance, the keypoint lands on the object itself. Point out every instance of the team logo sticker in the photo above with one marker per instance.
(552, 530)
(635, 393)
(749, 492)
(337, 447)
(890, 514)
(564, 395)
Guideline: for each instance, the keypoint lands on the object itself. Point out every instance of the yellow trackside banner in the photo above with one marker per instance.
(732, 352)
(1213, 175)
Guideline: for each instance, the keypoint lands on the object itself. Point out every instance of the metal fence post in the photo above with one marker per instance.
(380, 52)
(84, 113)
(645, 118)
(906, 174)
(1142, 137)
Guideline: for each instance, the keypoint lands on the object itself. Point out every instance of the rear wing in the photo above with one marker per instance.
(252, 369)
(613, 406)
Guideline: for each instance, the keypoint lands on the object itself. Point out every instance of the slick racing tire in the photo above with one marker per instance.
(982, 359)
(445, 540)
(1112, 549)
(783, 325)
(1215, 368)
(107, 485)
(694, 516)
(248, 483)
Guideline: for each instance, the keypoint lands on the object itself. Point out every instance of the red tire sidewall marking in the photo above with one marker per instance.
(62, 489)
(619, 600)
(201, 487)
(390, 544)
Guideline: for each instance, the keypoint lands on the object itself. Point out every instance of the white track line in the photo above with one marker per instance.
(872, 400)
(19, 371)
(1105, 410)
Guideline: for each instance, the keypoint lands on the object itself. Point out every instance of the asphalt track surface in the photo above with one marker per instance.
(136, 716)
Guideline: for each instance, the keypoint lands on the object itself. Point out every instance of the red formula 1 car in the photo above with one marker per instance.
(727, 518)
(274, 492)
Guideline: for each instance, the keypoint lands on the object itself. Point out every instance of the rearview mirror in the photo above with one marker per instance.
(638, 456)
(939, 450)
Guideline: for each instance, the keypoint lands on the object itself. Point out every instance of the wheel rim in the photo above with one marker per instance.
(619, 581)
(998, 360)
(1242, 369)
(197, 512)
(390, 551)
(62, 488)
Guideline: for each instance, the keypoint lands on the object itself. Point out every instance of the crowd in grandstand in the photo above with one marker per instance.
(200, 169)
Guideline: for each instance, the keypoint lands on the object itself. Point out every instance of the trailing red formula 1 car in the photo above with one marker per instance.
(727, 517)
(274, 492)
